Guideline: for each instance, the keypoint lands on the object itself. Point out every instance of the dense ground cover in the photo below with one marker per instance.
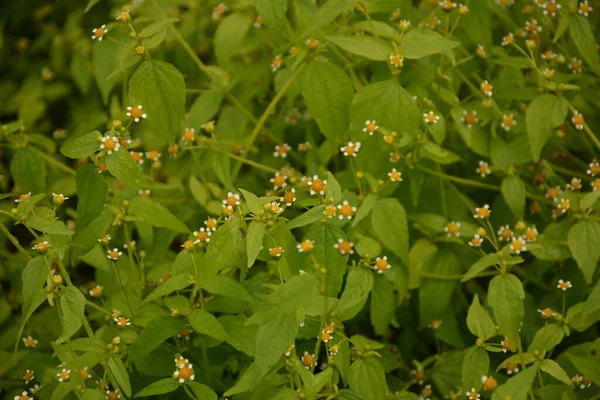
(284, 199)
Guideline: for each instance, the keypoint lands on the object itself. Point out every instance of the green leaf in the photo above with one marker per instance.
(475, 365)
(547, 338)
(160, 89)
(517, 387)
(584, 243)
(313, 215)
(91, 195)
(479, 321)
(226, 286)
(116, 366)
(481, 265)
(166, 385)
(505, 296)
(72, 304)
(367, 46)
(583, 37)
(81, 344)
(202, 391)
(423, 42)
(586, 365)
(34, 276)
(222, 168)
(156, 214)
(324, 237)
(105, 60)
(389, 104)
(333, 190)
(477, 23)
(240, 336)
(359, 283)
(254, 204)
(438, 154)
(204, 322)
(327, 91)
(589, 199)
(153, 34)
(273, 12)
(90, 4)
(383, 304)
(254, 238)
(204, 108)
(46, 226)
(28, 171)
(388, 218)
(327, 13)
(552, 368)
(155, 333)
(543, 115)
(122, 166)
(176, 282)
(514, 62)
(367, 377)
(81, 146)
(513, 191)
(272, 340)
(364, 209)
(226, 249)
(441, 262)
(229, 36)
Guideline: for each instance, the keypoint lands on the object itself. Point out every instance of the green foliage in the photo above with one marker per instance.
(290, 199)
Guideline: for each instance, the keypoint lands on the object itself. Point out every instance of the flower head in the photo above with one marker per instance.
(575, 185)
(551, 8)
(113, 254)
(305, 246)
(122, 322)
(96, 291)
(508, 39)
(511, 368)
(351, 149)
(29, 341)
(473, 395)
(469, 118)
(41, 246)
(136, 113)
(487, 88)
(476, 241)
(584, 8)
(518, 245)
(396, 60)
(28, 376)
(489, 383)
(276, 251)
(431, 118)
(23, 197)
(482, 212)
(578, 120)
(395, 176)
(317, 185)
(370, 127)
(308, 360)
(288, 197)
(58, 198)
(281, 150)
(110, 144)
(564, 285)
(344, 246)
(576, 65)
(452, 229)
(258, 22)
(381, 264)
(277, 63)
(64, 375)
(484, 169)
(346, 210)
(203, 235)
(23, 396)
(99, 33)
(508, 121)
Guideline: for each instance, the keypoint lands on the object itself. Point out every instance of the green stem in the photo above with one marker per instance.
(469, 182)
(265, 115)
(587, 129)
(252, 163)
(97, 307)
(14, 241)
(52, 162)
(122, 286)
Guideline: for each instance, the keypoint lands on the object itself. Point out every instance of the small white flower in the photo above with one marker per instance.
(99, 33)
(110, 144)
(431, 118)
(136, 113)
(564, 285)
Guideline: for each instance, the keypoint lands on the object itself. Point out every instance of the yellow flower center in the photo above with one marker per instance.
(100, 32)
(578, 119)
(517, 244)
(306, 245)
(202, 236)
(470, 118)
(28, 376)
(211, 223)
(547, 312)
(307, 360)
(486, 87)
(317, 185)
(96, 292)
(430, 118)
(508, 120)
(452, 228)
(231, 201)
(136, 112)
(530, 234)
(371, 127)
(84, 374)
(276, 251)
(506, 233)
(186, 372)
(189, 135)
(483, 213)
(64, 374)
(596, 184)
(326, 336)
(279, 180)
(122, 321)
(346, 210)
(330, 211)
(188, 244)
(381, 264)
(109, 144)
(289, 197)
(277, 63)
(344, 247)
(395, 176)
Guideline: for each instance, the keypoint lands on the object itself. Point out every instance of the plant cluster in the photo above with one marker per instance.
(288, 199)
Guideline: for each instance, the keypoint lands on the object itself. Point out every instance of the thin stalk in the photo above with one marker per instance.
(52, 162)
(265, 115)
(14, 241)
